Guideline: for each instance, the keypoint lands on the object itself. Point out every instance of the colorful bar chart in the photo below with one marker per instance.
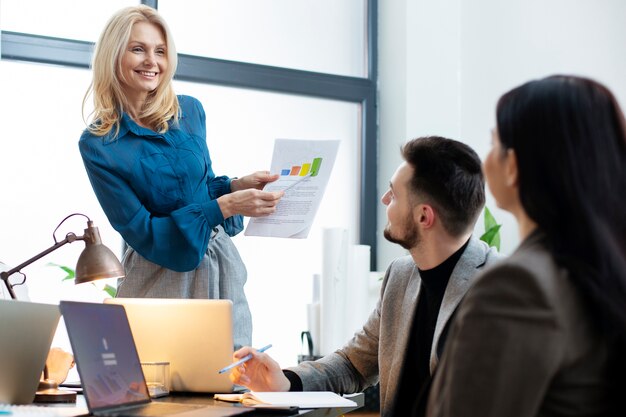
(308, 168)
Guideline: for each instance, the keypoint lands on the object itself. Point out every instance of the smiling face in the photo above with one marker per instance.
(401, 227)
(144, 61)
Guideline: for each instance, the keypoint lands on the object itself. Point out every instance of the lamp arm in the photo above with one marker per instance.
(69, 238)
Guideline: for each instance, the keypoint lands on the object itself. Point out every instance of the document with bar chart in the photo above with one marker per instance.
(304, 167)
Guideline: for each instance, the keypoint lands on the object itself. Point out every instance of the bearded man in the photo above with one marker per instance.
(433, 202)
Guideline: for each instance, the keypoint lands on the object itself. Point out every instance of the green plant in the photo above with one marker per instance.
(492, 230)
(71, 274)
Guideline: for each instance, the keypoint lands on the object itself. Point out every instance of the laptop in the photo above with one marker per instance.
(194, 336)
(109, 367)
(26, 332)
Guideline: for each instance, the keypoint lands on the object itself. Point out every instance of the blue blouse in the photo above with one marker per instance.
(159, 190)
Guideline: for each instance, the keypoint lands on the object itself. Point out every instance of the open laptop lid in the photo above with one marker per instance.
(105, 353)
(194, 336)
(26, 332)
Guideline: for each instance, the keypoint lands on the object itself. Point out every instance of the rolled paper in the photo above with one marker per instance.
(356, 310)
(313, 324)
(335, 256)
(317, 279)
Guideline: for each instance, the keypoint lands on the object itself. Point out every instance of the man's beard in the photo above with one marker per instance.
(411, 236)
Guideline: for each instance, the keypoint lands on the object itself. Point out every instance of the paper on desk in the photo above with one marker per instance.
(304, 167)
(305, 399)
(71, 411)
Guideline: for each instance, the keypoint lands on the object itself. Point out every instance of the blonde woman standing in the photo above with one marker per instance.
(146, 156)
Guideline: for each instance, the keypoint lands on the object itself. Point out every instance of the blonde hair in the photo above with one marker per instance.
(109, 99)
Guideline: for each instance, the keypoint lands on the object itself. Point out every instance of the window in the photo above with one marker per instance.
(313, 35)
(248, 105)
(71, 19)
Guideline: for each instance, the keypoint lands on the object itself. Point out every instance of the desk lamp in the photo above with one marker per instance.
(95, 262)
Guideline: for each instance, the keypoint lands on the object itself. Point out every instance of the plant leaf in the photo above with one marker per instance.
(492, 237)
(496, 240)
(109, 289)
(490, 221)
(71, 274)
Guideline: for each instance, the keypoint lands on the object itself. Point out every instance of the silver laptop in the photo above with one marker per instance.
(26, 332)
(194, 336)
(109, 368)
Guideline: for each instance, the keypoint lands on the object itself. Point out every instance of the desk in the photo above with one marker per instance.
(208, 399)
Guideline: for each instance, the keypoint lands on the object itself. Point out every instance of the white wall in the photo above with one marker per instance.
(444, 64)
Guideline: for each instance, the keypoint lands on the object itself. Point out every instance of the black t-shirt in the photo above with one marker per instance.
(415, 375)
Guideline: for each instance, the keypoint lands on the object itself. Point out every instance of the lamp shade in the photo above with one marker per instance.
(96, 261)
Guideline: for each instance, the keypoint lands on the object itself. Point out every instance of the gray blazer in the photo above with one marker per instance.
(522, 344)
(377, 352)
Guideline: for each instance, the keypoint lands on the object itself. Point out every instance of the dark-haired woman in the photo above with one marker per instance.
(543, 333)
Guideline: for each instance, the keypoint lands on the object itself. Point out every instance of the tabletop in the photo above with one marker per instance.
(194, 398)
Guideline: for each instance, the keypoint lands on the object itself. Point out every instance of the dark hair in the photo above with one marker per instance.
(448, 175)
(569, 136)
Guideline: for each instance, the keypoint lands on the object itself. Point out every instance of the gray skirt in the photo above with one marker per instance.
(220, 275)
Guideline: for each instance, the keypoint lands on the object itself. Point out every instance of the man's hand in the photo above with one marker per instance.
(261, 373)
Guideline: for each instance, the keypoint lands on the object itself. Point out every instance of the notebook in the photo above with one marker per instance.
(194, 336)
(26, 332)
(301, 399)
(109, 367)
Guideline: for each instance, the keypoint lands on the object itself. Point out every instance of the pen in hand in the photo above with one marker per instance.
(242, 360)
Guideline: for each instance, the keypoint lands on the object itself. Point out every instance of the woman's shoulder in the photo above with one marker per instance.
(190, 108)
(529, 276)
(188, 102)
(89, 138)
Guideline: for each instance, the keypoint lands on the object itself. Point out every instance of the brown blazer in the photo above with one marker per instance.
(522, 344)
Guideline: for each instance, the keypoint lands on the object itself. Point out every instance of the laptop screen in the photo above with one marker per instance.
(26, 331)
(105, 354)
